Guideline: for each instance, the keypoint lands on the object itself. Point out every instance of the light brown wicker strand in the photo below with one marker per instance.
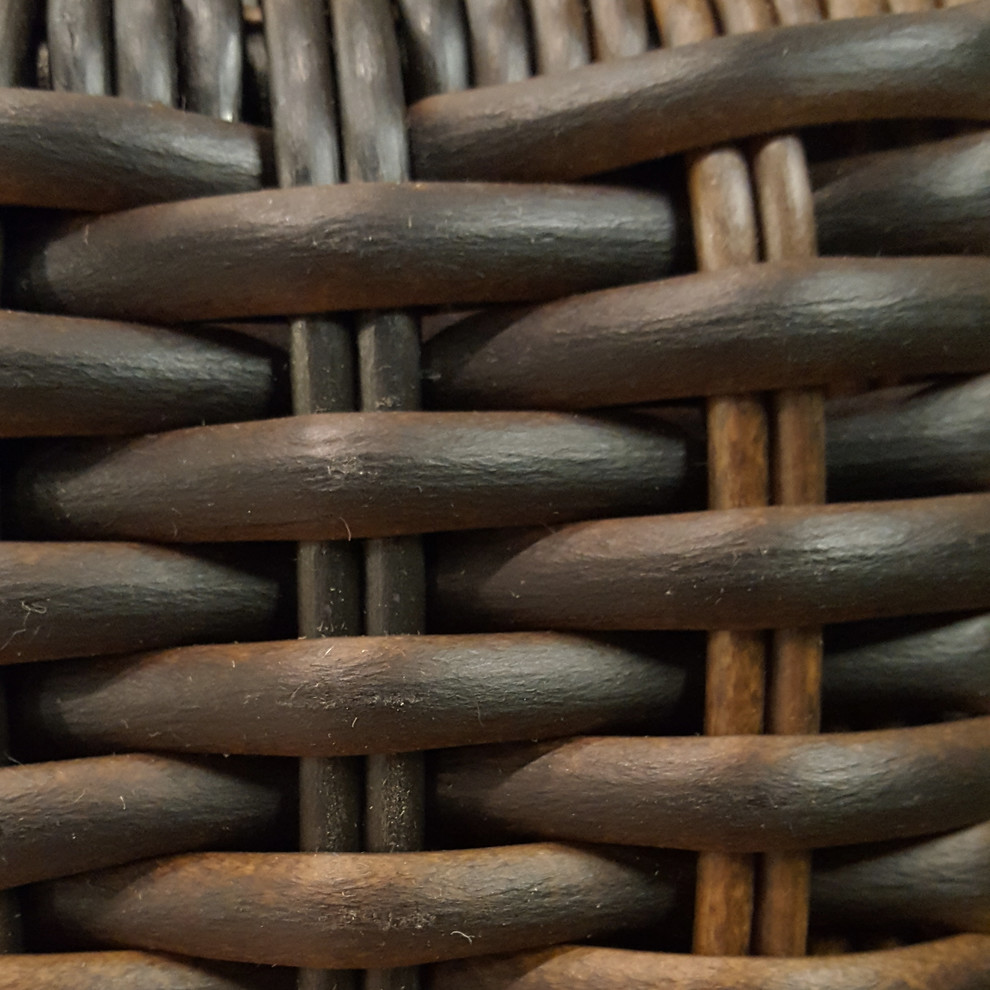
(798, 467)
(910, 6)
(322, 375)
(725, 235)
(619, 29)
(842, 9)
(560, 35)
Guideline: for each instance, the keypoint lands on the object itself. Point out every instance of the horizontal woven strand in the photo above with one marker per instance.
(359, 910)
(929, 443)
(339, 476)
(335, 476)
(735, 568)
(18, 18)
(938, 441)
(727, 793)
(602, 117)
(892, 202)
(358, 246)
(114, 154)
(72, 377)
(368, 694)
(128, 970)
(353, 695)
(745, 329)
(927, 666)
(929, 199)
(342, 909)
(957, 963)
(945, 879)
(80, 599)
(74, 815)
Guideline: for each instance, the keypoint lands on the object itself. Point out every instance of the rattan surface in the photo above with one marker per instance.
(495, 494)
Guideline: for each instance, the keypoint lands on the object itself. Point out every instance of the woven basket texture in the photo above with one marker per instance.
(495, 494)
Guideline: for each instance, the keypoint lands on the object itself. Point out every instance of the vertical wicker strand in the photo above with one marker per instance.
(373, 134)
(798, 468)
(211, 54)
(145, 42)
(619, 29)
(738, 476)
(500, 43)
(17, 22)
(560, 35)
(80, 55)
(322, 371)
(436, 46)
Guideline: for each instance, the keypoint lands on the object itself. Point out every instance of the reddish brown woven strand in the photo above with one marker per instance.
(725, 236)
(502, 666)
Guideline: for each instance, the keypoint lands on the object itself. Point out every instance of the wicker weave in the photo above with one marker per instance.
(505, 579)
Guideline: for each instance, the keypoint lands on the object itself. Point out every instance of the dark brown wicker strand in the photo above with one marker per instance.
(910, 441)
(80, 49)
(116, 154)
(144, 46)
(742, 794)
(86, 599)
(749, 328)
(599, 118)
(332, 477)
(16, 30)
(62, 376)
(70, 816)
(733, 568)
(872, 885)
(373, 139)
(264, 907)
(958, 963)
(328, 575)
(906, 695)
(898, 202)
(256, 254)
(437, 46)
(210, 47)
(343, 910)
(357, 695)
(500, 44)
(18, 21)
(128, 970)
(560, 35)
(295, 698)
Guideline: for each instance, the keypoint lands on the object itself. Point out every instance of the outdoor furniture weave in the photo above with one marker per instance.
(495, 494)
